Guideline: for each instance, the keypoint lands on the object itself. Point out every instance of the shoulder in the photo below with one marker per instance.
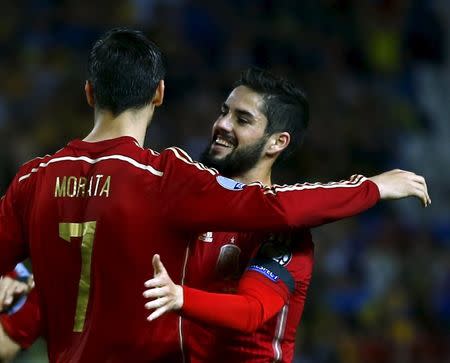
(292, 250)
(177, 156)
(31, 166)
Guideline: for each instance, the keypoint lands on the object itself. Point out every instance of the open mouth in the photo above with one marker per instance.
(221, 141)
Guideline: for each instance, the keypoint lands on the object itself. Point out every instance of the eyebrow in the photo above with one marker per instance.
(239, 111)
(244, 113)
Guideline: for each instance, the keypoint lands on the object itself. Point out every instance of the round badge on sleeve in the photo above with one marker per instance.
(229, 184)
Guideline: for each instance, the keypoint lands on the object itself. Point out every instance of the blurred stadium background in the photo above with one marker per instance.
(378, 77)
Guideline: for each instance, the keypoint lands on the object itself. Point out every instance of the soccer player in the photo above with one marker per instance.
(270, 281)
(91, 215)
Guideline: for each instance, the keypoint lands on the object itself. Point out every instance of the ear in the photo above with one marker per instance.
(159, 94)
(89, 90)
(277, 143)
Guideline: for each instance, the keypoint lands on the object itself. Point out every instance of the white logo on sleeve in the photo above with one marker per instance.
(229, 184)
(277, 252)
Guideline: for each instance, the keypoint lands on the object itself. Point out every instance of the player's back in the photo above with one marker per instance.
(95, 217)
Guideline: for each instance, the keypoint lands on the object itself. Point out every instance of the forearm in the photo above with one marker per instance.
(280, 207)
(8, 348)
(244, 312)
(325, 203)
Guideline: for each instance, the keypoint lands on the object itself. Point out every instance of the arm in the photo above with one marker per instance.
(8, 348)
(13, 248)
(259, 297)
(254, 303)
(24, 326)
(222, 204)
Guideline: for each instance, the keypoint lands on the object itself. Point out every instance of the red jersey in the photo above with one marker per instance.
(216, 263)
(92, 216)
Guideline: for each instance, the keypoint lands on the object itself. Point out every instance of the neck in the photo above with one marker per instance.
(128, 123)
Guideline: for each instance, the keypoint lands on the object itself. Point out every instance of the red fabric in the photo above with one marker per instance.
(12, 274)
(24, 327)
(148, 209)
(253, 304)
(274, 340)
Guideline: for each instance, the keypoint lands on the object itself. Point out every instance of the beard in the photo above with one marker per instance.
(236, 163)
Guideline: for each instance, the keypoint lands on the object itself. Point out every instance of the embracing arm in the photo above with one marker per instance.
(253, 304)
(223, 204)
(256, 300)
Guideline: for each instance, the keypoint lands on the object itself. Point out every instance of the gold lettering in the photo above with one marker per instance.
(60, 187)
(96, 185)
(72, 189)
(105, 188)
(72, 186)
(90, 186)
(81, 186)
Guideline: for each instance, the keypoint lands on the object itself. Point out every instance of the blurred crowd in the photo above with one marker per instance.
(377, 74)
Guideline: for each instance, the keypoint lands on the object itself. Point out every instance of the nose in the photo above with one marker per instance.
(224, 123)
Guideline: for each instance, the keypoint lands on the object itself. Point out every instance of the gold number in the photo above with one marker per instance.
(87, 231)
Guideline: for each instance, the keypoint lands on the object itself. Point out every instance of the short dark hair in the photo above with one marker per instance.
(124, 69)
(285, 105)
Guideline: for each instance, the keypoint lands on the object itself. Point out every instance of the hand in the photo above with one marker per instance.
(10, 289)
(397, 184)
(163, 293)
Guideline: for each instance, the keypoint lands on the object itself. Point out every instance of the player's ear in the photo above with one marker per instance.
(159, 94)
(89, 90)
(277, 142)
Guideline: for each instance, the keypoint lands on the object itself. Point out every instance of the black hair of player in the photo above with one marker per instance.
(124, 69)
(285, 105)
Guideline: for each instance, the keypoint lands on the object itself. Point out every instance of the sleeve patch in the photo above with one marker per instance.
(229, 184)
(273, 271)
(265, 271)
(22, 272)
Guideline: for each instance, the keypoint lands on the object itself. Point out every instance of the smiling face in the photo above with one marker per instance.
(238, 135)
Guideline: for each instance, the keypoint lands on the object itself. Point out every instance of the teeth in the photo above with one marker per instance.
(219, 140)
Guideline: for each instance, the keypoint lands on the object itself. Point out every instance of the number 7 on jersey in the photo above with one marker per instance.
(67, 231)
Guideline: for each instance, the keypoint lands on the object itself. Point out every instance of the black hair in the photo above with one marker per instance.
(124, 69)
(285, 105)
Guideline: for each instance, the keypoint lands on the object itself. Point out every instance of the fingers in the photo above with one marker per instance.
(163, 294)
(421, 195)
(158, 265)
(397, 184)
(155, 282)
(156, 292)
(158, 312)
(15, 289)
(155, 260)
(2, 297)
(421, 180)
(5, 284)
(9, 289)
(157, 303)
(161, 301)
(418, 189)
